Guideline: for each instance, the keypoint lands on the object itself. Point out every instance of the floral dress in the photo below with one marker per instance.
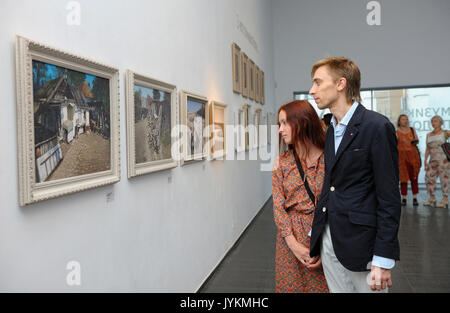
(294, 213)
(438, 166)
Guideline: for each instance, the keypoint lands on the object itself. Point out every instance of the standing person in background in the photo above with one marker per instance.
(408, 158)
(438, 166)
(297, 179)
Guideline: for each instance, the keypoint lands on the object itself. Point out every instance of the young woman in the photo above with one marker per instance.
(438, 166)
(408, 158)
(301, 130)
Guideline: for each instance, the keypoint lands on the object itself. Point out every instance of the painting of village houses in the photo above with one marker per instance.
(71, 122)
(152, 124)
(195, 125)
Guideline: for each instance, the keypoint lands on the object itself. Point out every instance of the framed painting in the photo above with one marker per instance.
(262, 96)
(246, 108)
(236, 61)
(239, 119)
(273, 121)
(194, 116)
(263, 130)
(251, 79)
(257, 84)
(256, 123)
(151, 115)
(67, 122)
(217, 121)
(245, 71)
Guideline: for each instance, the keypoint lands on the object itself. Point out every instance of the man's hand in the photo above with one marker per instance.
(379, 278)
(314, 263)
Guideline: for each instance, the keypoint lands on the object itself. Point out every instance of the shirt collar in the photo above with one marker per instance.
(348, 116)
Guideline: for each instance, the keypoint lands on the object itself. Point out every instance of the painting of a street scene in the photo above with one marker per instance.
(195, 124)
(152, 110)
(71, 122)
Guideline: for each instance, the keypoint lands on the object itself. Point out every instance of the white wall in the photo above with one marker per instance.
(154, 236)
(410, 47)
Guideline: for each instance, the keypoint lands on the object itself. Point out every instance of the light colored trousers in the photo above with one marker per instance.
(340, 279)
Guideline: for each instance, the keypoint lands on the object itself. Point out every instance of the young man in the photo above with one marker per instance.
(357, 216)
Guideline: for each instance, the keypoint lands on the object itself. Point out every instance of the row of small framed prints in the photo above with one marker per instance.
(248, 79)
(69, 127)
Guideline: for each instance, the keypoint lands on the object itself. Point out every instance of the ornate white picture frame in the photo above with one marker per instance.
(67, 101)
(151, 115)
(194, 118)
(256, 124)
(239, 133)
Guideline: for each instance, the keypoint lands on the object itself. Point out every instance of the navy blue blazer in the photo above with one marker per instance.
(360, 197)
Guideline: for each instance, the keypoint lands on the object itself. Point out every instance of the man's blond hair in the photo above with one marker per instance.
(343, 67)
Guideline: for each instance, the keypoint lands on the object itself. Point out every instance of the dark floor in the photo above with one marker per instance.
(424, 251)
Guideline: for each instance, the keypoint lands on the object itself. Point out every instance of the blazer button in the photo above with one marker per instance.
(332, 188)
(324, 209)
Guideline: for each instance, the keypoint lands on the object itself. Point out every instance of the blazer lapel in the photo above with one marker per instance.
(329, 147)
(350, 133)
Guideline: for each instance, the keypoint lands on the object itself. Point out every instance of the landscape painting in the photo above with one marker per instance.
(195, 122)
(151, 115)
(152, 108)
(217, 121)
(71, 122)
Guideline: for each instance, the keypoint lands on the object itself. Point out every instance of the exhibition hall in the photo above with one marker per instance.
(194, 146)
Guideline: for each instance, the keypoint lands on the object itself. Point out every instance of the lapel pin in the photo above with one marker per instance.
(351, 134)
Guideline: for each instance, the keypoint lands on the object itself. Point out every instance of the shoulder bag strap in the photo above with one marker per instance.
(302, 174)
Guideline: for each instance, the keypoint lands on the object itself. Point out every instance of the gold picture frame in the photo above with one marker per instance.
(236, 70)
(245, 75)
(218, 121)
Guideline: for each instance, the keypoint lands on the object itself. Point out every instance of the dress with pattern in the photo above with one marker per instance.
(294, 213)
(438, 166)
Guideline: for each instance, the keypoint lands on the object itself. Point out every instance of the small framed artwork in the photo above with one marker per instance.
(246, 108)
(256, 123)
(239, 119)
(257, 84)
(194, 116)
(236, 61)
(273, 121)
(151, 114)
(263, 130)
(67, 122)
(245, 74)
(262, 96)
(217, 122)
(251, 80)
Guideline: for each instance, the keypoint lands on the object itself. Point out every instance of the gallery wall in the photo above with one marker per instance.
(162, 232)
(410, 47)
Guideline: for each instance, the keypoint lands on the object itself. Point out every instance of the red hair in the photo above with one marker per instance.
(305, 124)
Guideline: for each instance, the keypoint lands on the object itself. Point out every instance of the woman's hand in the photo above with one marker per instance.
(299, 250)
(314, 263)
